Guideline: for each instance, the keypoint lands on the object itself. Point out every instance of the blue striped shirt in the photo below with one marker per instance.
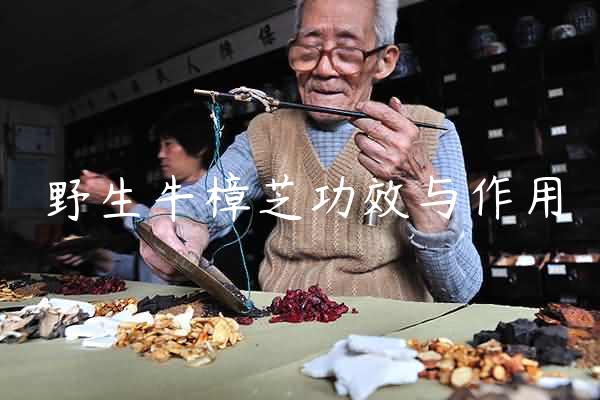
(451, 265)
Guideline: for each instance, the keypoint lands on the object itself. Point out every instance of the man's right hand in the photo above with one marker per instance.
(185, 236)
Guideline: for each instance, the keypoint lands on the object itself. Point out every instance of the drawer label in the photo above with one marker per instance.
(558, 130)
(495, 133)
(501, 102)
(557, 92)
(505, 173)
(498, 67)
(509, 220)
(453, 111)
(564, 218)
(448, 78)
(499, 273)
(559, 168)
(584, 258)
(557, 269)
(568, 299)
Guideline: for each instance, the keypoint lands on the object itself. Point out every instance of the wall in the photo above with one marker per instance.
(24, 220)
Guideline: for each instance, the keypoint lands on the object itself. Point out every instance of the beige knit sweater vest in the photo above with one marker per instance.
(342, 255)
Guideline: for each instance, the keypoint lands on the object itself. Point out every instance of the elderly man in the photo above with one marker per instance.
(341, 49)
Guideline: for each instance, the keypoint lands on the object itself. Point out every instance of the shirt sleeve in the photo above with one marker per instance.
(451, 264)
(142, 210)
(123, 267)
(237, 162)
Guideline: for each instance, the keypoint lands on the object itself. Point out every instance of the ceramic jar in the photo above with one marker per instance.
(481, 37)
(564, 31)
(583, 17)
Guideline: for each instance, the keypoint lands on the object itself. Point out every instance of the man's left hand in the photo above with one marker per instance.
(392, 150)
(390, 145)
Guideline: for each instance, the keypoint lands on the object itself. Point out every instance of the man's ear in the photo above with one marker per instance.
(386, 62)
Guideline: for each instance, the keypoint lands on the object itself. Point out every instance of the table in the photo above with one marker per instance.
(265, 365)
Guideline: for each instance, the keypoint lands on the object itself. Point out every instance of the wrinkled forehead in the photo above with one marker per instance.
(340, 19)
(338, 31)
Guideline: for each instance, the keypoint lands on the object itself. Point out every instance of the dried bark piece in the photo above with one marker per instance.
(575, 335)
(519, 331)
(7, 294)
(485, 336)
(547, 319)
(576, 317)
(33, 290)
(557, 356)
(197, 306)
(550, 336)
(526, 351)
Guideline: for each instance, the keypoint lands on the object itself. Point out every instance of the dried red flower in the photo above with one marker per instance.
(78, 284)
(311, 305)
(245, 320)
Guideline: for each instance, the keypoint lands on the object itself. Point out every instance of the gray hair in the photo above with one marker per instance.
(386, 17)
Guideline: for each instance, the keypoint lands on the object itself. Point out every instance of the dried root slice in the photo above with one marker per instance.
(461, 377)
(515, 364)
(164, 339)
(445, 376)
(441, 345)
(447, 364)
(200, 362)
(159, 354)
(491, 346)
(499, 373)
(116, 306)
(461, 365)
(530, 363)
(534, 373)
(429, 358)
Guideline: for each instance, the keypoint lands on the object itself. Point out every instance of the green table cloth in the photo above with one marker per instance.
(265, 365)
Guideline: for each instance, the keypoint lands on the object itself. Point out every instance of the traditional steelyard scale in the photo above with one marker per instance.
(271, 104)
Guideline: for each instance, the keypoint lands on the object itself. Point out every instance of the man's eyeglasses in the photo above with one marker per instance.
(345, 60)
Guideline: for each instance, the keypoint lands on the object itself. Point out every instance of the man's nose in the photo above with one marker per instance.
(324, 68)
